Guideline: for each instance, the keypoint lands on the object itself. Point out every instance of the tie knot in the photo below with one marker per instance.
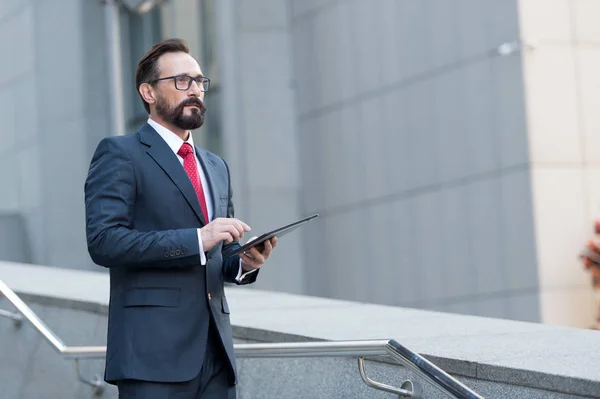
(185, 150)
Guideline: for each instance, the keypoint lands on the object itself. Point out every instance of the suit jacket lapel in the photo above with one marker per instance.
(210, 171)
(167, 160)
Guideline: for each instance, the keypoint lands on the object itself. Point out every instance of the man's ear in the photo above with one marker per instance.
(147, 92)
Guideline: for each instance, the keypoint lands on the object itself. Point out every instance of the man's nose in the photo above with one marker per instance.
(194, 89)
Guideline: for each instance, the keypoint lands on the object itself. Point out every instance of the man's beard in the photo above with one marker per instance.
(175, 116)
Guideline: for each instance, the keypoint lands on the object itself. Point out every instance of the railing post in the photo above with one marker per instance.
(17, 318)
(97, 383)
(407, 390)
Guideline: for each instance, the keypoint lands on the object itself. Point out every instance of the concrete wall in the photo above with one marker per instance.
(336, 378)
(53, 108)
(14, 240)
(259, 130)
(31, 369)
(497, 358)
(413, 147)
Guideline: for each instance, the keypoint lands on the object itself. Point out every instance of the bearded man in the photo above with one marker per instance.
(159, 216)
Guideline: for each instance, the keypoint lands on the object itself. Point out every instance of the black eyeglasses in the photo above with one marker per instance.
(184, 82)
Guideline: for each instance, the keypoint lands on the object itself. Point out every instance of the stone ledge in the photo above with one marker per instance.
(530, 355)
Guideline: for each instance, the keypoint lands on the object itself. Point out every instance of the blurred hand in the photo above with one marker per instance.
(222, 229)
(595, 271)
(256, 256)
(591, 256)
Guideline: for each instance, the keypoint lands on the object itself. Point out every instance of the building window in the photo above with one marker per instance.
(210, 65)
(138, 34)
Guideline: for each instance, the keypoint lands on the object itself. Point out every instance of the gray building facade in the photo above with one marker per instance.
(447, 173)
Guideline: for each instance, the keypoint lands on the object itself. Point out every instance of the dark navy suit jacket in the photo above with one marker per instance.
(142, 216)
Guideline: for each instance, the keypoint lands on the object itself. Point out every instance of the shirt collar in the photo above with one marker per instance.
(173, 141)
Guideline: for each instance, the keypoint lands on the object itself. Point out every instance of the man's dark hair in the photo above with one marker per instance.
(147, 69)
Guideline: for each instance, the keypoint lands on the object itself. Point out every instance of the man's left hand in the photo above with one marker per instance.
(256, 256)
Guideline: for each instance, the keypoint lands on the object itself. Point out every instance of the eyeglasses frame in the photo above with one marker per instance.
(199, 81)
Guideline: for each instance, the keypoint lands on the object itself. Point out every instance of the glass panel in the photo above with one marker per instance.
(210, 65)
(138, 34)
(208, 34)
(212, 122)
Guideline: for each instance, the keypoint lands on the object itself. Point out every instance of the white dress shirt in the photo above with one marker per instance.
(175, 142)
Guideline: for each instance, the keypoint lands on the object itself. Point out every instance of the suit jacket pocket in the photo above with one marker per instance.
(168, 297)
(224, 305)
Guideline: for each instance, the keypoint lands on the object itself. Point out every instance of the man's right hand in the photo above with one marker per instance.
(222, 229)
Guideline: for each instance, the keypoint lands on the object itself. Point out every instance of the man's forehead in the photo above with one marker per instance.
(178, 63)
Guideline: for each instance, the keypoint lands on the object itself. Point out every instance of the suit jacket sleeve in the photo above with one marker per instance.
(110, 193)
(231, 266)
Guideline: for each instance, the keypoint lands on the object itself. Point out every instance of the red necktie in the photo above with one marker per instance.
(191, 168)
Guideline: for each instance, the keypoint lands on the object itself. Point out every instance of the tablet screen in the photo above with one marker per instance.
(279, 232)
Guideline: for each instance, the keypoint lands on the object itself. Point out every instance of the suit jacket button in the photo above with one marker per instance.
(166, 254)
(177, 252)
(172, 253)
(209, 297)
(183, 251)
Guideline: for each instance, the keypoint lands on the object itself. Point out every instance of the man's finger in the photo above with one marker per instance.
(249, 260)
(225, 236)
(233, 231)
(241, 226)
(256, 255)
(238, 226)
(267, 248)
(245, 227)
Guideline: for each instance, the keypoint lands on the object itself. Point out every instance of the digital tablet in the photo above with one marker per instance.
(274, 233)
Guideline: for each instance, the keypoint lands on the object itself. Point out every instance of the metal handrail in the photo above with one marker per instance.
(439, 378)
(417, 363)
(47, 333)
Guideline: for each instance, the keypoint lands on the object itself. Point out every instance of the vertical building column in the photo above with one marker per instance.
(20, 226)
(259, 127)
(181, 19)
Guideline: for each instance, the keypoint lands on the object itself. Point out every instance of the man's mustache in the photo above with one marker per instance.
(193, 101)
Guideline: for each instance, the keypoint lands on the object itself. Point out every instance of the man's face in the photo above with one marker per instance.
(183, 109)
